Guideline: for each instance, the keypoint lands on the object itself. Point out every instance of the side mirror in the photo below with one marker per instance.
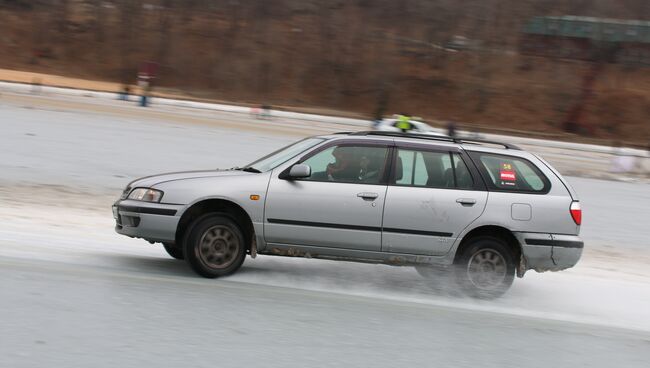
(297, 171)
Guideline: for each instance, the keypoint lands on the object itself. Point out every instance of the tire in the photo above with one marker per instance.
(174, 251)
(486, 268)
(215, 246)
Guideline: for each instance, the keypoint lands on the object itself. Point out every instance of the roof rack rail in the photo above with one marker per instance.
(433, 138)
(404, 135)
(487, 141)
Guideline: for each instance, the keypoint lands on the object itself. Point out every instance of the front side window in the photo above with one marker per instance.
(432, 169)
(511, 173)
(348, 164)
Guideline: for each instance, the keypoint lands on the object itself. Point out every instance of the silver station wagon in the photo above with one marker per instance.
(480, 211)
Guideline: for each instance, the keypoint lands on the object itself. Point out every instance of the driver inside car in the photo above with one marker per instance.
(343, 167)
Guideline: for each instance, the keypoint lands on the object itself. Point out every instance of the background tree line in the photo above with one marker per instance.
(349, 55)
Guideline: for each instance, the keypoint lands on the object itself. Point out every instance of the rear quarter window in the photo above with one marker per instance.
(510, 173)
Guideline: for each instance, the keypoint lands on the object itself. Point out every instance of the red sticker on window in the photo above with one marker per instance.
(507, 173)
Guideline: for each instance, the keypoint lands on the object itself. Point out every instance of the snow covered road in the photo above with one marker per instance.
(74, 293)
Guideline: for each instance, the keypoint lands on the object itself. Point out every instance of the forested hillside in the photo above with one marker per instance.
(439, 59)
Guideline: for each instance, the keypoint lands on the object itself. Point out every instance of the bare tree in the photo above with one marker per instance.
(129, 16)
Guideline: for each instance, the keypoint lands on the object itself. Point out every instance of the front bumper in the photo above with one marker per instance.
(155, 222)
(549, 252)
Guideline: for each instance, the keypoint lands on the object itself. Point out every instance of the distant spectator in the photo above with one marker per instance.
(451, 128)
(380, 110)
(266, 111)
(404, 122)
(124, 94)
(256, 112)
(146, 93)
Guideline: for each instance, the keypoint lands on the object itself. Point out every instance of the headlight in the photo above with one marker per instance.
(146, 195)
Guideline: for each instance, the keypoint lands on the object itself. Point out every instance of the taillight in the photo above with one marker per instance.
(576, 212)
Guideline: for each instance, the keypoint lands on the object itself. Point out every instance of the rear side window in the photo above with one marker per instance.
(431, 169)
(509, 173)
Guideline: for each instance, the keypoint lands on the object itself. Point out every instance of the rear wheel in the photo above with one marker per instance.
(174, 251)
(215, 246)
(486, 268)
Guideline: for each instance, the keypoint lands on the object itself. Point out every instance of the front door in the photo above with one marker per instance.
(431, 199)
(339, 206)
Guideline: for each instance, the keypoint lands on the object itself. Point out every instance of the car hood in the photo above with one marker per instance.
(150, 181)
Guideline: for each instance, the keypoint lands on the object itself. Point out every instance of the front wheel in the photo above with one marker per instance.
(215, 246)
(486, 268)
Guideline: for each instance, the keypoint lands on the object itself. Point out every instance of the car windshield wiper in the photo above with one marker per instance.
(247, 169)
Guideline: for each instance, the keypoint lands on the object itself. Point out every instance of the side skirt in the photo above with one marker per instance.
(351, 255)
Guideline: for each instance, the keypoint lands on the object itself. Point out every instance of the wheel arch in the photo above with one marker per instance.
(216, 205)
(494, 231)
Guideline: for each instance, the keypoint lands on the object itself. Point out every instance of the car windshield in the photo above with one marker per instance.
(273, 160)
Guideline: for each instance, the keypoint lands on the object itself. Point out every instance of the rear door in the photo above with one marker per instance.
(433, 194)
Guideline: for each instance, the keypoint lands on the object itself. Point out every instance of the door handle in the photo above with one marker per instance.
(466, 201)
(368, 195)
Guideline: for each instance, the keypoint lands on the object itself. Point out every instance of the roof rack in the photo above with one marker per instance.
(487, 141)
(433, 138)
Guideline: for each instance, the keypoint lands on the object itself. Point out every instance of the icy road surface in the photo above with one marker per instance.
(75, 294)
